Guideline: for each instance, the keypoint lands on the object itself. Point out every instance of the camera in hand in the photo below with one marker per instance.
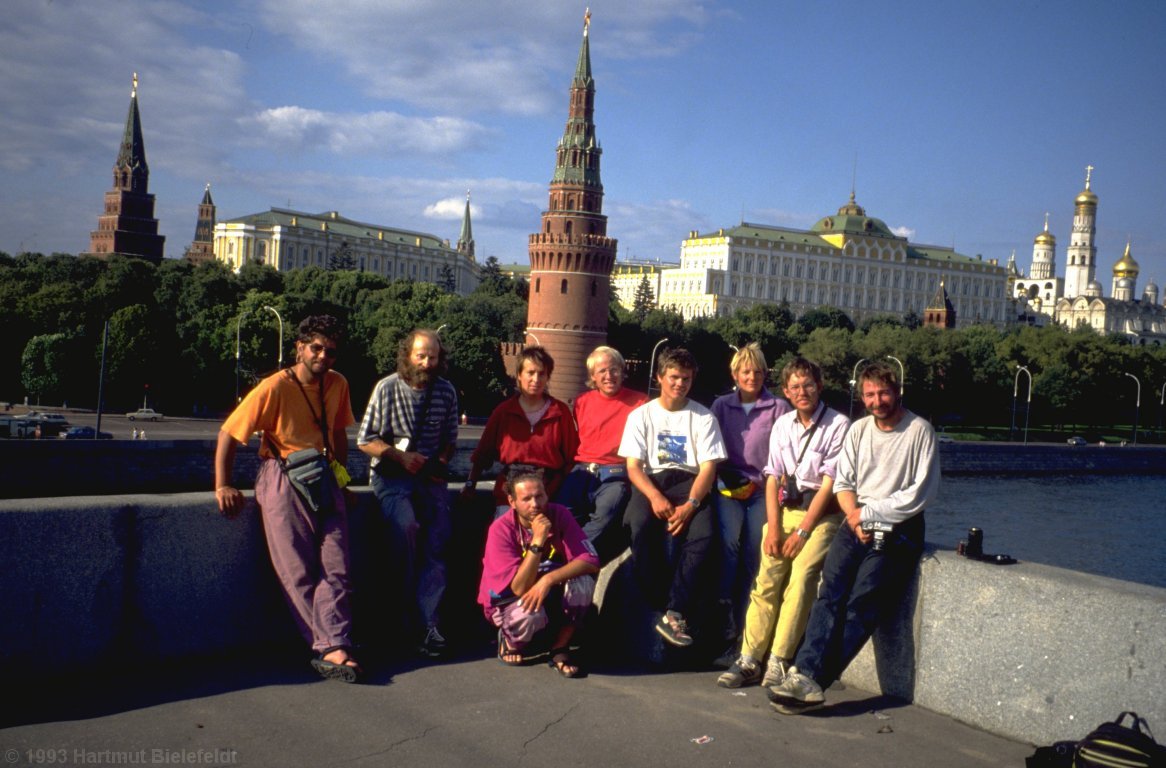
(878, 531)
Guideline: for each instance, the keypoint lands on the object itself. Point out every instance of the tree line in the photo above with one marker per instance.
(174, 329)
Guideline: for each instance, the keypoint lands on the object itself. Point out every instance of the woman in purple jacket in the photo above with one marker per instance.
(746, 417)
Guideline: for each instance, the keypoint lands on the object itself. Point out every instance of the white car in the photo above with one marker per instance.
(145, 414)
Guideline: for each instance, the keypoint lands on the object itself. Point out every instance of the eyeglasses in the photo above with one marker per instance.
(316, 348)
(807, 388)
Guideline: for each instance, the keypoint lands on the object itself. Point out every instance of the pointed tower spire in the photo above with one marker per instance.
(127, 224)
(130, 171)
(940, 313)
(571, 256)
(203, 246)
(465, 241)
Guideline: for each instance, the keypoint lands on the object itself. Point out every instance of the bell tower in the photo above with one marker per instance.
(571, 257)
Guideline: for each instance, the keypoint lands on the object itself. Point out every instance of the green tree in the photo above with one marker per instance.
(446, 279)
(644, 301)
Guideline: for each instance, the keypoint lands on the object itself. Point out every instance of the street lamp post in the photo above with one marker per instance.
(1028, 405)
(1161, 407)
(443, 325)
(238, 323)
(652, 365)
(902, 376)
(537, 343)
(1137, 405)
(853, 382)
(101, 378)
(279, 360)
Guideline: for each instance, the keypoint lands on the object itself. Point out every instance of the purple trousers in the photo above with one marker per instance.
(310, 554)
(571, 601)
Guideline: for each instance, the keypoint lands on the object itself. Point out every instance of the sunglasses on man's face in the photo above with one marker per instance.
(316, 348)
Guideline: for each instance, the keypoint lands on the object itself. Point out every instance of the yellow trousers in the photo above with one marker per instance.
(784, 590)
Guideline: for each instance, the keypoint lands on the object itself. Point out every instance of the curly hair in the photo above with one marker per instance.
(320, 325)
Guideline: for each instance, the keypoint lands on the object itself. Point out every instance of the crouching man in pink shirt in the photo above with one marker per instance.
(537, 573)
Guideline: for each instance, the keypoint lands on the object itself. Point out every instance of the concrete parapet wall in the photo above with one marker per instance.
(1027, 651)
(80, 467)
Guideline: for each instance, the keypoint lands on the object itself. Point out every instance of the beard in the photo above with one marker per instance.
(416, 377)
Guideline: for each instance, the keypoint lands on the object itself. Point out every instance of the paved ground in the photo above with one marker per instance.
(466, 711)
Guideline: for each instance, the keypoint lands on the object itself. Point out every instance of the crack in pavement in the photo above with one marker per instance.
(393, 746)
(549, 725)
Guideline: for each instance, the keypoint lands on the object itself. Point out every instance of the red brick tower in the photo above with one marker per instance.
(571, 258)
(128, 225)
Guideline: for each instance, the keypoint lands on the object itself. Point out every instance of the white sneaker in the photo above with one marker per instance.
(744, 671)
(775, 672)
(797, 689)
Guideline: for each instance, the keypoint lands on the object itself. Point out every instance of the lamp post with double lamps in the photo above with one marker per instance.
(279, 359)
(652, 365)
(902, 376)
(1028, 405)
(1137, 404)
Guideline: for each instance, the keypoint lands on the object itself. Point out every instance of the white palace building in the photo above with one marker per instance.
(849, 260)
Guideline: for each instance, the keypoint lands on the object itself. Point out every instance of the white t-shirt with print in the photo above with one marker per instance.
(682, 439)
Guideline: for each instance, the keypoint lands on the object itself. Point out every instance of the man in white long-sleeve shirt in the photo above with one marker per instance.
(887, 474)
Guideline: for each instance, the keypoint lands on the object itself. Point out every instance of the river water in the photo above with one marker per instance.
(1107, 525)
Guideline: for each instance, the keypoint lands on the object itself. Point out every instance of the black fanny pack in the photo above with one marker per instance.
(310, 474)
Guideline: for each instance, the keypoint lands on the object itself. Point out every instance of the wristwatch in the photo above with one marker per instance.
(535, 548)
(694, 502)
(803, 533)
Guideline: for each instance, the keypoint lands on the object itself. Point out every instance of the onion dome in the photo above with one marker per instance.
(1087, 197)
(1126, 266)
(1045, 237)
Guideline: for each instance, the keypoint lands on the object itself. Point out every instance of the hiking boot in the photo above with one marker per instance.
(796, 689)
(432, 645)
(744, 671)
(775, 672)
(674, 629)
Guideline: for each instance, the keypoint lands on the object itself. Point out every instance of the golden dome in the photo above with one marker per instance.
(851, 208)
(1045, 237)
(1126, 266)
(1087, 197)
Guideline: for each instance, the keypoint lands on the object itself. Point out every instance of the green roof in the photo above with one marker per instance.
(338, 225)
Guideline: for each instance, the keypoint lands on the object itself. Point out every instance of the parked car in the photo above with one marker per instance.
(1076, 440)
(144, 414)
(84, 433)
(49, 424)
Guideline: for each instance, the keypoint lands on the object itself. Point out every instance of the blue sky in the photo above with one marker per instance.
(960, 123)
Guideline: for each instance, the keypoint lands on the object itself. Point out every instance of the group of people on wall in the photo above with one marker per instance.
(814, 525)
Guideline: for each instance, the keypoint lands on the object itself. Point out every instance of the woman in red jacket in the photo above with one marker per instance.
(531, 430)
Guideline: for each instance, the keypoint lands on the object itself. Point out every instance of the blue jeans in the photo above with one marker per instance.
(598, 508)
(416, 512)
(859, 587)
(741, 524)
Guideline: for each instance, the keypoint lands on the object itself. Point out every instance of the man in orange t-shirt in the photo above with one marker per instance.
(304, 406)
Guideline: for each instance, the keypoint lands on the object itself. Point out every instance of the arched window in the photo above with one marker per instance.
(563, 286)
(538, 284)
(594, 287)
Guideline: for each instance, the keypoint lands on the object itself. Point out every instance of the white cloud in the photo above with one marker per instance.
(464, 57)
(906, 232)
(299, 128)
(451, 208)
